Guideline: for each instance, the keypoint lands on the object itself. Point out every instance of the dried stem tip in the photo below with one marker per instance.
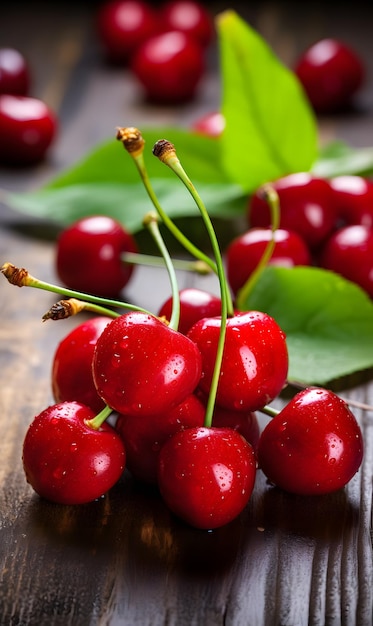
(131, 139)
(164, 150)
(63, 309)
(15, 275)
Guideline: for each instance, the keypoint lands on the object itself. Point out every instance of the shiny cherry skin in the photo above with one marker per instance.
(89, 256)
(28, 127)
(255, 359)
(353, 199)
(206, 475)
(123, 25)
(66, 460)
(194, 305)
(306, 206)
(331, 73)
(169, 67)
(14, 72)
(349, 252)
(143, 438)
(313, 446)
(245, 423)
(209, 125)
(244, 253)
(72, 364)
(189, 17)
(143, 367)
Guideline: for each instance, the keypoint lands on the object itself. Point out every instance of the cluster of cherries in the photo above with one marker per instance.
(181, 388)
(164, 47)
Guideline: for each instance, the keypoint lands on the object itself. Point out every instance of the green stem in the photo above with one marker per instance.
(271, 196)
(137, 258)
(151, 222)
(99, 419)
(268, 410)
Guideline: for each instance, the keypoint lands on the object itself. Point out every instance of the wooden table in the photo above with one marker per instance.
(124, 559)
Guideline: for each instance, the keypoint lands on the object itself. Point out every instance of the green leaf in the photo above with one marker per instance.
(338, 159)
(270, 129)
(328, 321)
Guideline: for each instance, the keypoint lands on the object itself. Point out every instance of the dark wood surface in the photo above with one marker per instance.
(286, 561)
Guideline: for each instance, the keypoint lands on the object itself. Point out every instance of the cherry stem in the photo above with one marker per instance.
(165, 151)
(133, 142)
(137, 258)
(100, 418)
(151, 223)
(271, 196)
(268, 410)
(66, 308)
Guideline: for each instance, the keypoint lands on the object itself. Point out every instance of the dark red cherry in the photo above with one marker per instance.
(331, 73)
(244, 253)
(190, 17)
(353, 199)
(194, 305)
(14, 72)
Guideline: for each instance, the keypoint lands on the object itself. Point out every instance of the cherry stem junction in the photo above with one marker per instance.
(97, 421)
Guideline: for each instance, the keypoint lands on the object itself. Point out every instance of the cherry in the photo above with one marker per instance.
(194, 305)
(353, 199)
(122, 25)
(210, 125)
(188, 17)
(206, 475)
(27, 128)
(331, 73)
(255, 359)
(72, 365)
(306, 206)
(88, 256)
(245, 423)
(143, 438)
(143, 367)
(349, 252)
(244, 253)
(313, 446)
(66, 460)
(169, 67)
(14, 72)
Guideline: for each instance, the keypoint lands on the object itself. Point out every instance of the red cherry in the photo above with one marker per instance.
(72, 365)
(331, 73)
(123, 25)
(14, 72)
(143, 438)
(143, 367)
(188, 17)
(245, 251)
(27, 129)
(169, 67)
(210, 125)
(67, 461)
(349, 252)
(353, 199)
(194, 305)
(255, 359)
(245, 423)
(313, 446)
(306, 206)
(206, 475)
(88, 256)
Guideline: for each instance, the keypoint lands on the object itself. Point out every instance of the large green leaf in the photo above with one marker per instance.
(339, 159)
(328, 321)
(270, 127)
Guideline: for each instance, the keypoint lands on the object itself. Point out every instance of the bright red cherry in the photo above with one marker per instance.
(245, 423)
(89, 256)
(14, 72)
(194, 305)
(313, 446)
(143, 438)
(206, 475)
(27, 128)
(189, 17)
(331, 73)
(66, 460)
(72, 365)
(169, 67)
(123, 25)
(255, 359)
(306, 205)
(349, 252)
(143, 367)
(353, 199)
(245, 251)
